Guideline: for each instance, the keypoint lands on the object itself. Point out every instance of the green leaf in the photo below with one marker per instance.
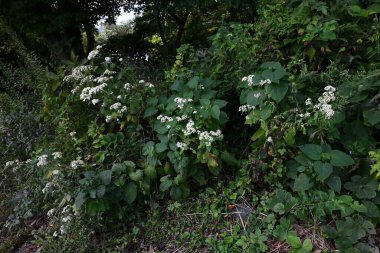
(165, 185)
(323, 170)
(290, 136)
(340, 159)
(334, 183)
(130, 192)
(150, 172)
(302, 183)
(150, 111)
(105, 176)
(307, 245)
(253, 99)
(205, 102)
(161, 147)
(229, 159)
(137, 175)
(312, 151)
(277, 91)
(220, 103)
(294, 241)
(193, 83)
(372, 116)
(215, 112)
(279, 208)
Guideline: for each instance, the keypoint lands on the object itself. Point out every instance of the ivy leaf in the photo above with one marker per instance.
(340, 159)
(323, 170)
(334, 183)
(105, 176)
(215, 112)
(312, 151)
(302, 183)
(130, 192)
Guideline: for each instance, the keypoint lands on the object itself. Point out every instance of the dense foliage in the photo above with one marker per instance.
(256, 131)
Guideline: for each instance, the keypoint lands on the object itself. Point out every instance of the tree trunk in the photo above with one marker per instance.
(89, 29)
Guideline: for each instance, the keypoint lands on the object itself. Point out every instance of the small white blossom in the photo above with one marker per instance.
(42, 160)
(308, 101)
(182, 101)
(181, 145)
(57, 155)
(95, 101)
(190, 129)
(115, 106)
(269, 139)
(76, 164)
(107, 59)
(246, 108)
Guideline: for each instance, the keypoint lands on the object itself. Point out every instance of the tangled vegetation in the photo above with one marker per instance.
(204, 126)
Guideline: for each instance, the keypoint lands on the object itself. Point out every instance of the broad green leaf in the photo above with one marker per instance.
(130, 192)
(220, 103)
(161, 147)
(294, 241)
(312, 151)
(266, 110)
(254, 97)
(165, 185)
(136, 176)
(340, 159)
(279, 208)
(150, 111)
(334, 183)
(215, 112)
(307, 245)
(290, 136)
(150, 172)
(372, 116)
(323, 170)
(193, 83)
(105, 176)
(302, 183)
(229, 159)
(277, 91)
(205, 102)
(258, 134)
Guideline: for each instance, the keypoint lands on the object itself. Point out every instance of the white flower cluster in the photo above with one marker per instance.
(164, 119)
(76, 164)
(182, 101)
(246, 108)
(181, 118)
(306, 115)
(102, 79)
(88, 92)
(115, 106)
(42, 160)
(94, 53)
(107, 59)
(249, 80)
(323, 102)
(47, 188)
(77, 74)
(209, 137)
(181, 145)
(190, 129)
(108, 72)
(127, 86)
(263, 82)
(250, 83)
(147, 84)
(57, 155)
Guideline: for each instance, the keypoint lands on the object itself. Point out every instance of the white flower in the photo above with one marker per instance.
(50, 212)
(47, 188)
(263, 82)
(115, 106)
(308, 101)
(55, 172)
(249, 80)
(190, 129)
(257, 94)
(182, 101)
(95, 101)
(120, 59)
(73, 133)
(181, 145)
(55, 234)
(42, 160)
(57, 155)
(141, 81)
(123, 109)
(107, 59)
(209, 137)
(149, 85)
(108, 72)
(76, 164)
(246, 108)
(108, 118)
(269, 139)
(99, 47)
(92, 54)
(127, 86)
